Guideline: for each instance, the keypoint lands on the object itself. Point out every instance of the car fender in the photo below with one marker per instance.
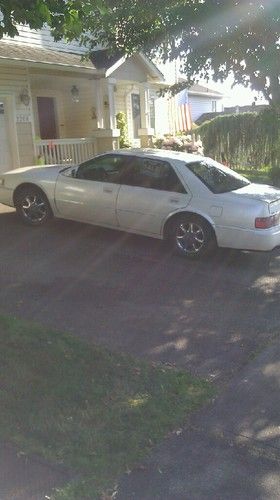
(46, 187)
(186, 211)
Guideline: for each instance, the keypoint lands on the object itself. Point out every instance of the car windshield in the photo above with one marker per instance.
(216, 177)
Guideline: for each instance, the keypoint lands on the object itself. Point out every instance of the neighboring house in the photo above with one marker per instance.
(204, 100)
(231, 110)
(56, 107)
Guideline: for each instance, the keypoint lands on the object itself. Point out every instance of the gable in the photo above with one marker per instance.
(131, 69)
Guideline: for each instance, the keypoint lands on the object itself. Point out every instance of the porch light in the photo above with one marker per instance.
(75, 93)
(24, 97)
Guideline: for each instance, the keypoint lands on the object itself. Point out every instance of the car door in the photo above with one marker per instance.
(150, 191)
(89, 193)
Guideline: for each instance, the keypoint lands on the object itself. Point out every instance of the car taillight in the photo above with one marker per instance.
(267, 222)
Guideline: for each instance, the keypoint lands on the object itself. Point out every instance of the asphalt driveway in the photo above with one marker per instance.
(131, 294)
(211, 317)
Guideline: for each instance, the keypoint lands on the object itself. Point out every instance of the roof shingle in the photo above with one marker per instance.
(14, 51)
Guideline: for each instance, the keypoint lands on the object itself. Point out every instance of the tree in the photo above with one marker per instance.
(242, 37)
(211, 38)
(32, 12)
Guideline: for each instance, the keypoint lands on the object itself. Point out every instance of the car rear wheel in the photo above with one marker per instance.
(32, 206)
(192, 236)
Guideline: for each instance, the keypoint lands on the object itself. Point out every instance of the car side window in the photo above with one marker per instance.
(153, 174)
(106, 168)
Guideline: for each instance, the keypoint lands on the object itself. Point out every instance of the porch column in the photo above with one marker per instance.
(107, 135)
(145, 132)
(99, 96)
(111, 82)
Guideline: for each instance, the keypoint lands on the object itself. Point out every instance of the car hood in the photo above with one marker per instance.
(34, 169)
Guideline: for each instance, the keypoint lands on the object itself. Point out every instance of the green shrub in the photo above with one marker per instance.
(122, 125)
(274, 175)
(251, 139)
(179, 142)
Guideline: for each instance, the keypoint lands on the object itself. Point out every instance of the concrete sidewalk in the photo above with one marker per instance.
(231, 450)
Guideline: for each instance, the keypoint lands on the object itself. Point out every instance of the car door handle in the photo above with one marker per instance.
(173, 200)
(107, 190)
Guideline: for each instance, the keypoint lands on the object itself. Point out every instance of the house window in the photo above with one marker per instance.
(214, 106)
(152, 114)
(136, 113)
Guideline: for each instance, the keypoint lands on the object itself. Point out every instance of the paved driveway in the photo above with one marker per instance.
(129, 293)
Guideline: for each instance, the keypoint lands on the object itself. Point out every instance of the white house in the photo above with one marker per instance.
(204, 100)
(56, 107)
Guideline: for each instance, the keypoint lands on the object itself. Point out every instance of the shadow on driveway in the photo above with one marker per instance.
(131, 294)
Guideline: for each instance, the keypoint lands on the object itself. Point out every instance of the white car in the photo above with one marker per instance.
(191, 200)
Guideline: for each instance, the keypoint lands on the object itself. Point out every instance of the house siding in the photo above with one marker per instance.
(201, 104)
(25, 144)
(161, 116)
(131, 70)
(43, 38)
(13, 79)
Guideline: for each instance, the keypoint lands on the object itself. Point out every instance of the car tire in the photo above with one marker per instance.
(191, 236)
(32, 206)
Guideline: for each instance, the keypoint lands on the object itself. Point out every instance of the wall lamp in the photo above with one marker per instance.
(75, 93)
(24, 97)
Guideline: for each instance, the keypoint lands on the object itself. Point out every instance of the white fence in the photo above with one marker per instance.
(66, 151)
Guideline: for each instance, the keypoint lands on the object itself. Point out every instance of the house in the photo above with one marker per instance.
(58, 108)
(256, 108)
(204, 100)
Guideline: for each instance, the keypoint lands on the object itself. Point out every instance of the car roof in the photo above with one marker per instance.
(158, 153)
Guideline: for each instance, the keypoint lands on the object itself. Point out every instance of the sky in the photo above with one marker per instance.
(237, 95)
(233, 96)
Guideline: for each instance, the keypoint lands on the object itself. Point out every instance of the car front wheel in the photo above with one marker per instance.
(191, 236)
(32, 206)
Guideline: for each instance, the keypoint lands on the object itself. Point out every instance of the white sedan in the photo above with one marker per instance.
(191, 200)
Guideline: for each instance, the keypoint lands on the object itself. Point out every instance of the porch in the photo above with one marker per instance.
(68, 151)
(60, 110)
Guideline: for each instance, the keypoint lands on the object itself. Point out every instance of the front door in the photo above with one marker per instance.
(47, 117)
(5, 148)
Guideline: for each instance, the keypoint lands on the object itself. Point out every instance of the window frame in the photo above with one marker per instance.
(95, 159)
(167, 164)
(219, 168)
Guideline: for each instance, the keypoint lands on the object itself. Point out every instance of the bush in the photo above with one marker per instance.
(179, 143)
(251, 139)
(274, 175)
(122, 125)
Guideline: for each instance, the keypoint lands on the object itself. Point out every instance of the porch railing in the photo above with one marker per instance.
(66, 151)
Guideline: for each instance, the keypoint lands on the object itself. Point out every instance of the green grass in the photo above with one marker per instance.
(83, 406)
(260, 176)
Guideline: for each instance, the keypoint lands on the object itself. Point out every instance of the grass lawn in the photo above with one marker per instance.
(97, 412)
(260, 176)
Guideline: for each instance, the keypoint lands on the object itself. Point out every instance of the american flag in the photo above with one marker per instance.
(179, 113)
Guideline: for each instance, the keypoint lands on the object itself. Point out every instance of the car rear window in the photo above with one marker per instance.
(216, 177)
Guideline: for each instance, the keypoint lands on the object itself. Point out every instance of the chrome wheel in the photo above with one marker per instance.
(189, 238)
(33, 207)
